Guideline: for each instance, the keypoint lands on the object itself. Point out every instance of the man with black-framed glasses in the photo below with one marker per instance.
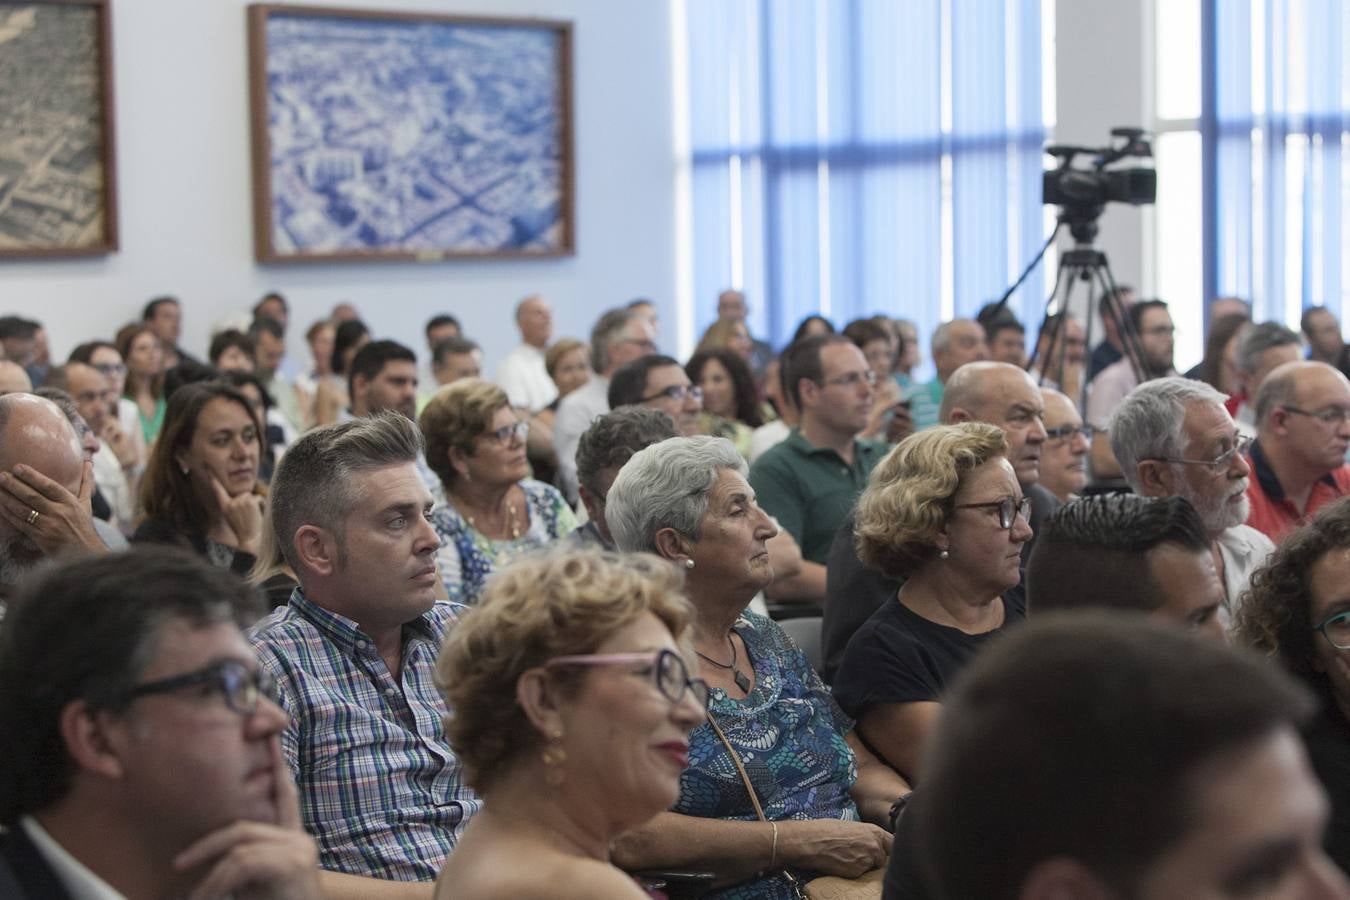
(658, 382)
(142, 753)
(1298, 459)
(1173, 437)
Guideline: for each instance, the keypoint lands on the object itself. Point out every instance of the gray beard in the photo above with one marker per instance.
(1218, 515)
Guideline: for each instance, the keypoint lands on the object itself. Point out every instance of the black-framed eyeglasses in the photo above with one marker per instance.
(241, 686)
(507, 433)
(1064, 432)
(667, 669)
(1336, 629)
(1332, 415)
(676, 392)
(1219, 463)
(852, 378)
(1007, 509)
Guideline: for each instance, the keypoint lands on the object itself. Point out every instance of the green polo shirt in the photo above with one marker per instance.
(810, 490)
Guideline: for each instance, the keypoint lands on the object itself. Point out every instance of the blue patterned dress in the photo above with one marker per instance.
(467, 557)
(789, 733)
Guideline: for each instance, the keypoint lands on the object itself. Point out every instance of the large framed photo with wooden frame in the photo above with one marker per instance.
(58, 190)
(409, 136)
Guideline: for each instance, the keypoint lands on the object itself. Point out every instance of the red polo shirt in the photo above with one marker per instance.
(1272, 514)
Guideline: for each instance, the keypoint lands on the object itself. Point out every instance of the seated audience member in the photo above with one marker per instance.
(271, 573)
(45, 484)
(18, 341)
(141, 752)
(13, 378)
(122, 430)
(811, 326)
(943, 511)
(344, 311)
(354, 654)
(330, 396)
(1296, 613)
(1150, 324)
(658, 382)
(493, 511)
(273, 305)
(1112, 307)
(954, 344)
(1061, 356)
(144, 384)
(889, 418)
(522, 373)
(319, 337)
(996, 393)
(115, 480)
(1123, 551)
(573, 704)
(1323, 332)
(111, 537)
(687, 500)
(1106, 755)
(232, 351)
(907, 354)
(568, 364)
(602, 451)
(647, 310)
(1219, 367)
(383, 375)
(201, 487)
(728, 334)
(808, 483)
(1064, 453)
(731, 306)
(163, 316)
(439, 328)
(1174, 438)
(730, 401)
(775, 431)
(619, 336)
(1261, 350)
(1298, 459)
(1007, 339)
(455, 358)
(275, 438)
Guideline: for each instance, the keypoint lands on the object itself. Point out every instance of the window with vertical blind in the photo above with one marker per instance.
(1276, 131)
(851, 157)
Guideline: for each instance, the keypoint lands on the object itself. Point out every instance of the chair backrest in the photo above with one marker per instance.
(805, 633)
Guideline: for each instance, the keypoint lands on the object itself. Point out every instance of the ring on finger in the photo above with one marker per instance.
(33, 517)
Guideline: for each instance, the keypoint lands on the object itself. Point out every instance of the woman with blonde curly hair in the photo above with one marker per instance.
(573, 705)
(945, 512)
(494, 512)
(1297, 611)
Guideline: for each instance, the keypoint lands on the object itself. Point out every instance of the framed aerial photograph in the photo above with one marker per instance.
(413, 136)
(57, 178)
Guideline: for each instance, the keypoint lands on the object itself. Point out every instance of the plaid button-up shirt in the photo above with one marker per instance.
(380, 789)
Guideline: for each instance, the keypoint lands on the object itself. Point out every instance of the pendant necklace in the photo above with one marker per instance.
(741, 679)
(512, 523)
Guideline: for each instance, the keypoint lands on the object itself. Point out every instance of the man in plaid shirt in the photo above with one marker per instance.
(354, 656)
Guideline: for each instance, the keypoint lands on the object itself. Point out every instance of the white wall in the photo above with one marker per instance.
(186, 214)
(1101, 64)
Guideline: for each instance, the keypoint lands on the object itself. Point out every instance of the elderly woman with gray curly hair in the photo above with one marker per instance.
(778, 786)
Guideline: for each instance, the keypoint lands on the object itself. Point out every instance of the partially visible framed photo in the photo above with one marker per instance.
(58, 194)
(380, 135)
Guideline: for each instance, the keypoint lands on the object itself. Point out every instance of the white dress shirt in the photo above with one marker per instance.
(525, 379)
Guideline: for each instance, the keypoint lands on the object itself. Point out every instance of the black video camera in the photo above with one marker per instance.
(1081, 193)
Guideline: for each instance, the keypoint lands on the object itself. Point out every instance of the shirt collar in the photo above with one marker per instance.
(75, 876)
(1266, 477)
(346, 634)
(799, 443)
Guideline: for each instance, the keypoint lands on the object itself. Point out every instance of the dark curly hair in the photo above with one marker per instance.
(1275, 615)
(742, 382)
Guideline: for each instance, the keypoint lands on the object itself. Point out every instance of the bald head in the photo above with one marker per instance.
(35, 432)
(1303, 418)
(1004, 395)
(1302, 383)
(534, 318)
(13, 378)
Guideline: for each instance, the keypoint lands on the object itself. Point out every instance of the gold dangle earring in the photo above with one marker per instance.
(553, 757)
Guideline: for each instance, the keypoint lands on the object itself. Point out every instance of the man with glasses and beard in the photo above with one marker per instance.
(1173, 437)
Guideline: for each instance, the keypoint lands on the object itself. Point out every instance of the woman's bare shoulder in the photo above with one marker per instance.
(550, 875)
